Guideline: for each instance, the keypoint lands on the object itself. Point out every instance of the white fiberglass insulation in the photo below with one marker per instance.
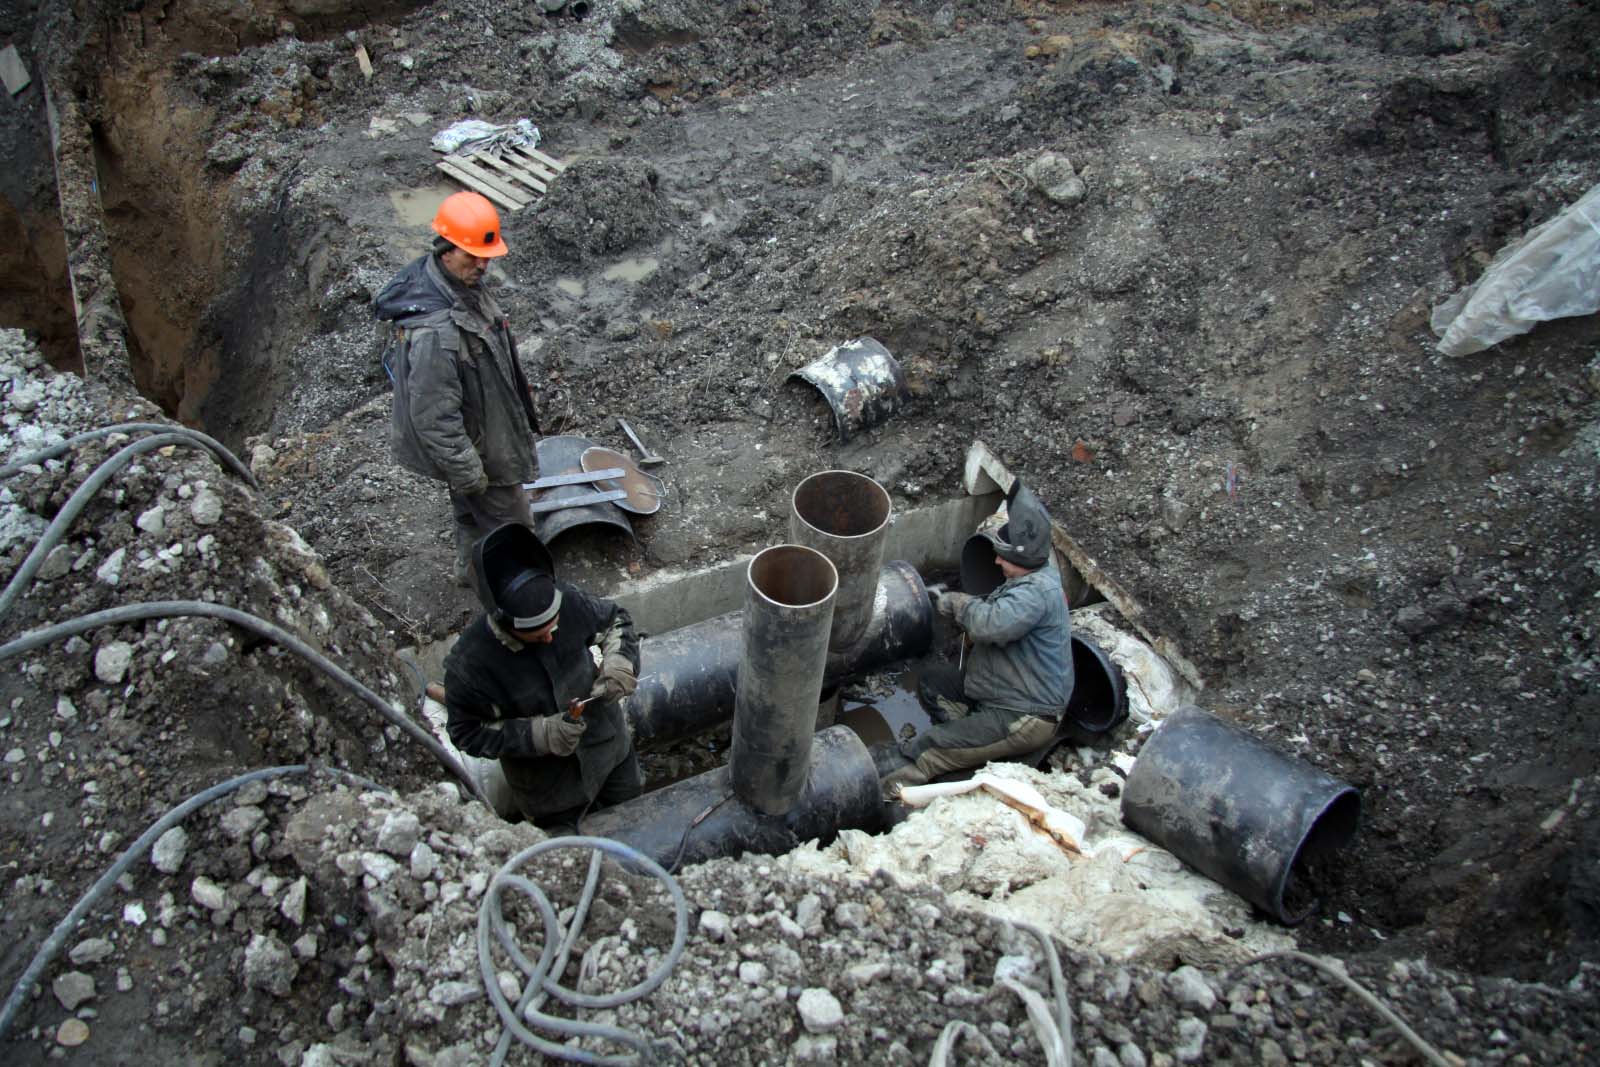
(988, 856)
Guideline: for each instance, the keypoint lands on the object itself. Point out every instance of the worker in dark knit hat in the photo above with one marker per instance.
(537, 682)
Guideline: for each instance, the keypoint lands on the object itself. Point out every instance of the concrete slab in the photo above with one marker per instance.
(12, 72)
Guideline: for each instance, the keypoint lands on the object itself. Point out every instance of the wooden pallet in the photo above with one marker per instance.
(514, 179)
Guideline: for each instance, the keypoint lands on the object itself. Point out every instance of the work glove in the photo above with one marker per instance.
(950, 603)
(478, 486)
(557, 735)
(616, 678)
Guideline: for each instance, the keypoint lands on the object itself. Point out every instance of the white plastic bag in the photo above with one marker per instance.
(1552, 272)
(474, 135)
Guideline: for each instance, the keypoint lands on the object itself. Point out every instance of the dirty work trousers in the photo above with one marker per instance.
(967, 735)
(623, 783)
(480, 513)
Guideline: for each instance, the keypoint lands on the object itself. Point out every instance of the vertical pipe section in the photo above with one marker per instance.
(844, 515)
(687, 675)
(788, 612)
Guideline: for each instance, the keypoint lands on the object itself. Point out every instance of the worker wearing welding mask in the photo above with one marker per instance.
(1007, 698)
(537, 682)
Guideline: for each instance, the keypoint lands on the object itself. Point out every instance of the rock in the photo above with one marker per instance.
(65, 708)
(850, 916)
(111, 662)
(753, 973)
(424, 861)
(305, 946)
(1052, 174)
(168, 853)
(293, 905)
(820, 1011)
(1189, 988)
(400, 833)
(816, 1048)
(15, 755)
(72, 1033)
(1413, 621)
(863, 974)
(110, 572)
(715, 925)
(269, 966)
(808, 913)
(72, 989)
(1103, 1057)
(240, 823)
(91, 950)
(1191, 1041)
(154, 521)
(378, 865)
(206, 508)
(1174, 513)
(1271, 1054)
(56, 564)
(1131, 1055)
(450, 994)
(208, 894)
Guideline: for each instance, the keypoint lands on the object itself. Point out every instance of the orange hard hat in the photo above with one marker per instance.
(470, 222)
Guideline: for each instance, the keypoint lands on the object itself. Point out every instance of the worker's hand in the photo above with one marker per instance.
(478, 486)
(950, 603)
(616, 678)
(557, 735)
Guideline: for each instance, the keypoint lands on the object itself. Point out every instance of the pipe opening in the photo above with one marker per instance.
(793, 576)
(842, 504)
(1330, 831)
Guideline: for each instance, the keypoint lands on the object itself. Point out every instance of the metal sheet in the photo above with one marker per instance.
(644, 490)
(563, 454)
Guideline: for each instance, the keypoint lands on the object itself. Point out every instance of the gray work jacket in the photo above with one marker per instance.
(1021, 658)
(461, 403)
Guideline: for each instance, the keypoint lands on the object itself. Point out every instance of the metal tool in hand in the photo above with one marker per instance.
(647, 458)
(575, 708)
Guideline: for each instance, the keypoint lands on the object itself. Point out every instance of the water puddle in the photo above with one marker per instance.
(571, 286)
(884, 712)
(632, 270)
(416, 207)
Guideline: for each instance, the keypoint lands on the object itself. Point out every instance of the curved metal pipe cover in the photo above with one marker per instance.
(563, 454)
(861, 381)
(1235, 808)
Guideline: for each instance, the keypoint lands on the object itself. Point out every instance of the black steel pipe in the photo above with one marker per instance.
(1237, 810)
(687, 676)
(845, 516)
(1099, 701)
(841, 792)
(788, 614)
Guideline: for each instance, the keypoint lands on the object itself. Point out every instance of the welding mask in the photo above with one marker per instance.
(515, 577)
(1025, 538)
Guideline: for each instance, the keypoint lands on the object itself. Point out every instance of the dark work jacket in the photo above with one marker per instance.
(461, 403)
(492, 691)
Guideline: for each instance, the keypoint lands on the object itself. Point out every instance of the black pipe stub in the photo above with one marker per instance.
(1238, 810)
(1099, 701)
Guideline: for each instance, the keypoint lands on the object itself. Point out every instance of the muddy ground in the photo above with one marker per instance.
(1199, 331)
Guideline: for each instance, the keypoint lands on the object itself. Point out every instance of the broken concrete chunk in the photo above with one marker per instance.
(820, 1011)
(90, 950)
(73, 989)
(269, 966)
(400, 833)
(111, 662)
(169, 850)
(1052, 175)
(153, 521)
(205, 508)
(293, 906)
(208, 894)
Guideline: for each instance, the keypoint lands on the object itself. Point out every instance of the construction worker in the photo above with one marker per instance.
(463, 411)
(1017, 677)
(513, 677)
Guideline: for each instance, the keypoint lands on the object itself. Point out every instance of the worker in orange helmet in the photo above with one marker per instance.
(463, 411)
